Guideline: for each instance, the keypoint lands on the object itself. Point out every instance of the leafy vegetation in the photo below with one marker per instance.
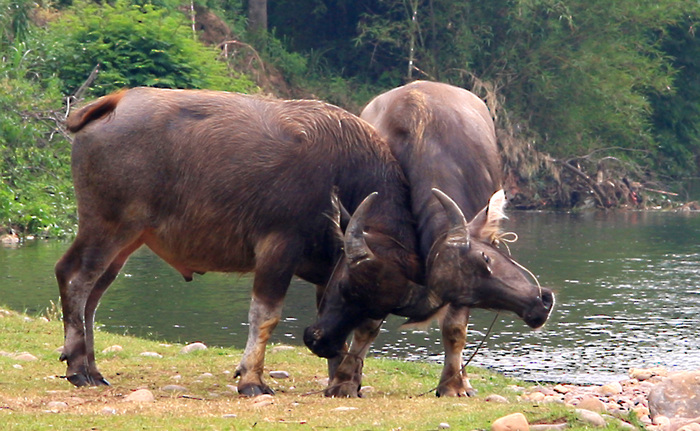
(582, 91)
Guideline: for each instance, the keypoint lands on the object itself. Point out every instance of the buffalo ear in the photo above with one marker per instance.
(486, 225)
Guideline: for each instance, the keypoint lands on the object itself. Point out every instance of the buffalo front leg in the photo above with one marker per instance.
(346, 380)
(454, 381)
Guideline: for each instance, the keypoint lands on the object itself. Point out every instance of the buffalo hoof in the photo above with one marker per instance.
(343, 390)
(254, 390)
(456, 392)
(86, 380)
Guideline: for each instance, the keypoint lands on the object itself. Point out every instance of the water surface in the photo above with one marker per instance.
(627, 284)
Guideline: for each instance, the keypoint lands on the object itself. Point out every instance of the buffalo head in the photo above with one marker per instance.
(465, 268)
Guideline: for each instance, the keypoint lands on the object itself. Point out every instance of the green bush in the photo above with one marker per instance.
(134, 45)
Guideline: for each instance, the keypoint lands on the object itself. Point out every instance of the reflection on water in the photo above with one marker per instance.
(628, 295)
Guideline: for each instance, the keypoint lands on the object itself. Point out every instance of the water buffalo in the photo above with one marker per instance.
(214, 181)
(444, 138)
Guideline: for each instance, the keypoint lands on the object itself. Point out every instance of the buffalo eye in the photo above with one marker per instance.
(487, 262)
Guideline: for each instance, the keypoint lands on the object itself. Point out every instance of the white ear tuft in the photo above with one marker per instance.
(497, 204)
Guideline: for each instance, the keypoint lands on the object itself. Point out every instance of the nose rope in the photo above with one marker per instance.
(458, 373)
(511, 237)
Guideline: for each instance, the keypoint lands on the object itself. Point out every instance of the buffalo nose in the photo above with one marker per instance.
(548, 299)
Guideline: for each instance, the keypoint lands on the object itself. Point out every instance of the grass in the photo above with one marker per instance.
(29, 390)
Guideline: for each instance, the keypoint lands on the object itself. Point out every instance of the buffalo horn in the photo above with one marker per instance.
(356, 248)
(458, 224)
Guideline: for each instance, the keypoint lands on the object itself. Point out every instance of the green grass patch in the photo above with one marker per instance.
(34, 396)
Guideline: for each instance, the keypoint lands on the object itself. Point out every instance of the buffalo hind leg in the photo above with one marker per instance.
(346, 381)
(454, 381)
(273, 273)
(86, 266)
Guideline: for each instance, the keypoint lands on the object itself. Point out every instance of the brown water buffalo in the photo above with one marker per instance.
(214, 181)
(443, 138)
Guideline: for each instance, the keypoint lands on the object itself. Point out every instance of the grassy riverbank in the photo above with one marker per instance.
(34, 397)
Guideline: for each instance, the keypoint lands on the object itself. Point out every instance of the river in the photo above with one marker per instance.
(627, 285)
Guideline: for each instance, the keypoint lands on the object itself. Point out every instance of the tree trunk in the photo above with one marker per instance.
(257, 16)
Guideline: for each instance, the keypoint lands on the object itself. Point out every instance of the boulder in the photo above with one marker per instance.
(676, 396)
(512, 422)
(591, 418)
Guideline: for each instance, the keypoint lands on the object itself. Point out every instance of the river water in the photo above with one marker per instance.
(627, 285)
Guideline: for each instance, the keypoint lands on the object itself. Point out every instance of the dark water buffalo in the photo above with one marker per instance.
(444, 138)
(225, 182)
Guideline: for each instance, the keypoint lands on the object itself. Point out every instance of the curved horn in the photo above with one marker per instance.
(356, 248)
(458, 223)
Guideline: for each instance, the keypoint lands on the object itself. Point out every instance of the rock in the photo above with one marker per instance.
(591, 403)
(229, 416)
(281, 348)
(549, 427)
(647, 373)
(512, 422)
(141, 396)
(344, 409)
(193, 347)
(693, 426)
(174, 388)
(610, 389)
(626, 425)
(232, 388)
(263, 400)
(151, 354)
(57, 405)
(676, 396)
(108, 411)
(27, 357)
(535, 396)
(279, 374)
(206, 376)
(443, 426)
(113, 349)
(591, 418)
(493, 398)
(561, 389)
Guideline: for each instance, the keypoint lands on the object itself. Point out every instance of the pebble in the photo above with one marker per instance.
(141, 396)
(193, 347)
(206, 376)
(591, 418)
(151, 354)
(443, 426)
(229, 416)
(279, 374)
(512, 422)
(344, 409)
(57, 405)
(591, 403)
(494, 398)
(113, 349)
(27, 357)
(263, 400)
(549, 427)
(174, 388)
(611, 389)
(108, 411)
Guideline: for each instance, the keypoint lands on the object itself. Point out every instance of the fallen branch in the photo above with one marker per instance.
(600, 195)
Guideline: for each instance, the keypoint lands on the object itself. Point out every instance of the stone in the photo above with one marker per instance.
(206, 376)
(174, 388)
(27, 357)
(113, 349)
(281, 348)
(642, 374)
(591, 418)
(279, 374)
(193, 347)
(549, 427)
(108, 411)
(610, 389)
(57, 405)
(494, 398)
(535, 396)
(263, 400)
(676, 396)
(591, 403)
(229, 416)
(443, 426)
(141, 396)
(693, 426)
(344, 409)
(561, 389)
(512, 422)
(151, 354)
